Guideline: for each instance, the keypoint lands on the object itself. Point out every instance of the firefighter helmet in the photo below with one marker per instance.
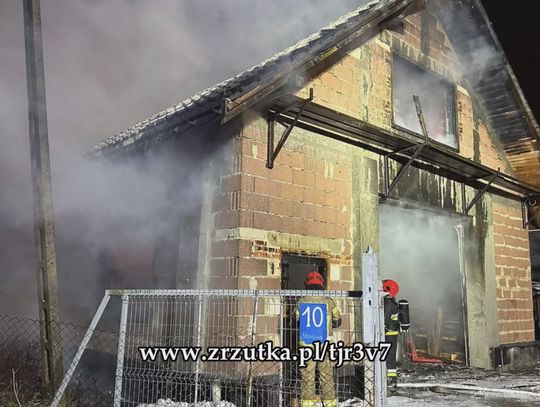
(314, 278)
(391, 287)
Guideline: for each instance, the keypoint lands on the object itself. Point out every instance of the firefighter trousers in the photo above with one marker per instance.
(391, 357)
(326, 378)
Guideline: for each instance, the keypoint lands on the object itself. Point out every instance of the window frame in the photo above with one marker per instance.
(453, 103)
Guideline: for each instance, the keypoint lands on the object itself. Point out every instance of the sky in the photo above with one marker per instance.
(518, 31)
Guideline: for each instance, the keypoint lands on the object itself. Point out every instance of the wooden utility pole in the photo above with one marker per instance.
(51, 349)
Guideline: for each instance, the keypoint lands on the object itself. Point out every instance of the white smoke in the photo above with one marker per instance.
(420, 250)
(109, 65)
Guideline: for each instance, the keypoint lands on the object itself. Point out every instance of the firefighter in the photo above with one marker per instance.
(315, 281)
(396, 320)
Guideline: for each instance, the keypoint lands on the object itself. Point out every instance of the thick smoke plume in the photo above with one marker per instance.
(108, 65)
(422, 251)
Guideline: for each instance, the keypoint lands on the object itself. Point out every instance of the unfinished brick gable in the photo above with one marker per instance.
(513, 271)
(360, 85)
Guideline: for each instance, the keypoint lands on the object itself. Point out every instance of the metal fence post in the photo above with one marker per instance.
(60, 392)
(253, 335)
(121, 352)
(373, 328)
(381, 384)
(281, 343)
(197, 363)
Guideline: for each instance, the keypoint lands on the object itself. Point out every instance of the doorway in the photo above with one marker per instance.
(295, 267)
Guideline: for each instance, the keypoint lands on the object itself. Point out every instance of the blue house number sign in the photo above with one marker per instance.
(313, 322)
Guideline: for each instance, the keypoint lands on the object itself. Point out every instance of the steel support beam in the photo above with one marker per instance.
(420, 115)
(389, 187)
(320, 58)
(480, 192)
(271, 153)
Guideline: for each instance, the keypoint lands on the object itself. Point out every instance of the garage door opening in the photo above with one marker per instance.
(422, 251)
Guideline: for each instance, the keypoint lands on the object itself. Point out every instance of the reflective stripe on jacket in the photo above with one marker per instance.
(391, 316)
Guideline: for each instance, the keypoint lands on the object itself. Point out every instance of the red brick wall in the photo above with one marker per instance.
(465, 124)
(513, 270)
(489, 155)
(300, 195)
(307, 193)
(338, 87)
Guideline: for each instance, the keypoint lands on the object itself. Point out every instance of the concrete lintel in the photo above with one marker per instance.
(285, 241)
(240, 233)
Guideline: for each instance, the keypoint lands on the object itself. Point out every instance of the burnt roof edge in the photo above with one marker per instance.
(516, 88)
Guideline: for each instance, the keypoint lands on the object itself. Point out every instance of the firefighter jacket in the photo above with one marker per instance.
(333, 317)
(391, 316)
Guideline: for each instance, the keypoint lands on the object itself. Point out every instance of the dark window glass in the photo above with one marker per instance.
(437, 99)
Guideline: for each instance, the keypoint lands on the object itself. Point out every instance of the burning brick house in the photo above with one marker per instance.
(323, 150)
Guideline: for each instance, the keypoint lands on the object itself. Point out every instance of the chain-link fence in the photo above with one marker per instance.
(20, 380)
(237, 348)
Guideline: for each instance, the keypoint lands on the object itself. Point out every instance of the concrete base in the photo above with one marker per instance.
(516, 355)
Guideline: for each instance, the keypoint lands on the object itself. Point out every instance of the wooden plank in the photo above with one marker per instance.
(436, 339)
